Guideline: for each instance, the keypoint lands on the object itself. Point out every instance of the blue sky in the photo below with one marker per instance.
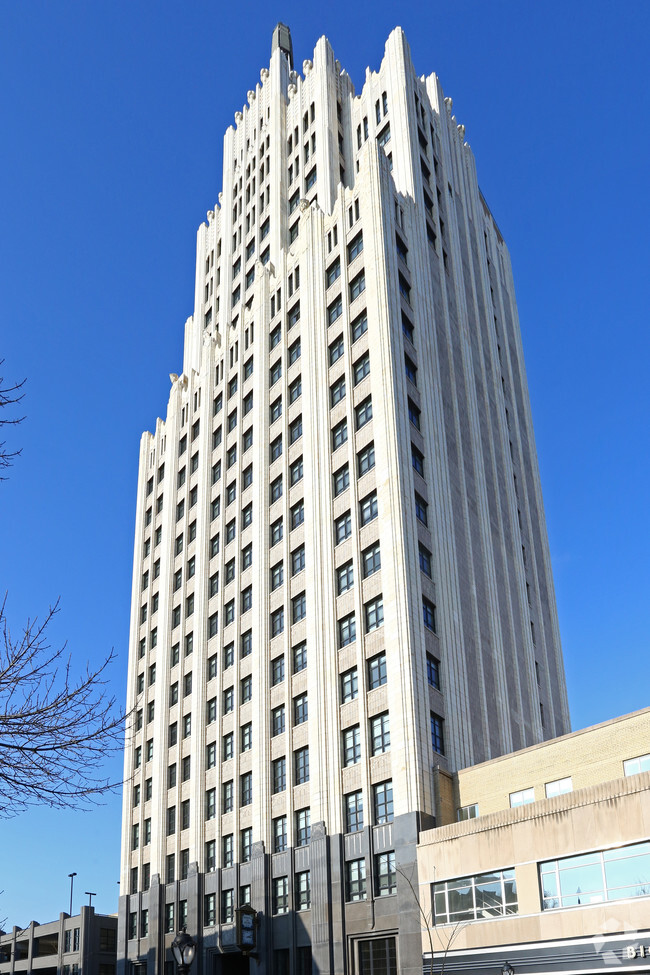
(112, 118)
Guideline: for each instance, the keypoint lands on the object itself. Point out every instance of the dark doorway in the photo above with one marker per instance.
(232, 964)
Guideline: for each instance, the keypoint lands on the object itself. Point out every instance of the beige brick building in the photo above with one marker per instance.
(563, 828)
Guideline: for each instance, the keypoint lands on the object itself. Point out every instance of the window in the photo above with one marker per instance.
(247, 556)
(559, 787)
(187, 684)
(374, 613)
(298, 607)
(421, 507)
(355, 247)
(522, 798)
(337, 391)
(303, 891)
(344, 577)
(210, 803)
(248, 368)
(211, 755)
(635, 765)
(591, 878)
(347, 630)
(227, 905)
(361, 368)
(475, 898)
(301, 765)
(414, 414)
(232, 420)
(428, 614)
(275, 372)
(377, 671)
(349, 685)
(277, 576)
(228, 793)
(246, 737)
(275, 410)
(380, 734)
(357, 285)
(228, 746)
(247, 440)
(210, 856)
(276, 532)
(279, 772)
(437, 733)
(341, 480)
(359, 326)
(295, 430)
(355, 880)
(299, 657)
(228, 655)
(334, 311)
(246, 789)
(411, 370)
(277, 621)
(366, 459)
(425, 560)
(171, 776)
(275, 336)
(468, 812)
(246, 844)
(296, 471)
(280, 895)
(433, 671)
(300, 709)
(353, 805)
(231, 531)
(185, 814)
(363, 415)
(385, 874)
(276, 448)
(280, 834)
(245, 649)
(417, 460)
(295, 390)
(246, 599)
(294, 349)
(310, 179)
(383, 802)
(351, 745)
(343, 527)
(229, 612)
(209, 910)
(339, 434)
(368, 508)
(277, 671)
(298, 560)
(303, 827)
(277, 720)
(336, 350)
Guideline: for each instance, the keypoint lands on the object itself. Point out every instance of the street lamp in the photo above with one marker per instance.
(183, 948)
(71, 876)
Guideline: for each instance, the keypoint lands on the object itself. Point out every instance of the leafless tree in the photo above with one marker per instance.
(9, 396)
(446, 940)
(56, 729)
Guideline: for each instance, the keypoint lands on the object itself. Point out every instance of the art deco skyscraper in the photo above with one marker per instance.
(342, 581)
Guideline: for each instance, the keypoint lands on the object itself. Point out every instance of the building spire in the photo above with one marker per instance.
(282, 40)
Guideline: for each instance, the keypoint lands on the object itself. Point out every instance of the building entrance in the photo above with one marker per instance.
(232, 964)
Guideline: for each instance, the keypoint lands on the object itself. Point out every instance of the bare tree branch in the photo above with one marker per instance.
(9, 396)
(56, 730)
(428, 923)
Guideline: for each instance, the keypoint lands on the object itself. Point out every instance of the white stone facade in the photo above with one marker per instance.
(354, 307)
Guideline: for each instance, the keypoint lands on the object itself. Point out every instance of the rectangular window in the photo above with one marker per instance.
(374, 613)
(337, 391)
(355, 880)
(522, 798)
(246, 789)
(377, 671)
(437, 733)
(366, 459)
(383, 802)
(297, 514)
(336, 350)
(591, 878)
(298, 560)
(368, 508)
(227, 906)
(433, 671)
(632, 766)
(361, 368)
(353, 804)
(334, 311)
(280, 895)
(303, 827)
(347, 628)
(300, 709)
(351, 745)
(355, 247)
(379, 734)
(468, 812)
(429, 614)
(349, 685)
(341, 480)
(344, 577)
(277, 671)
(301, 765)
(339, 434)
(357, 285)
(299, 657)
(279, 772)
(302, 889)
(280, 834)
(475, 898)
(385, 874)
(359, 326)
(343, 527)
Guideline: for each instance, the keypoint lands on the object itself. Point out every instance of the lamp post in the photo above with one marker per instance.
(183, 948)
(71, 876)
(91, 894)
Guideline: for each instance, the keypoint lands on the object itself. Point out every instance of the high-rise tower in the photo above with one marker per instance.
(341, 581)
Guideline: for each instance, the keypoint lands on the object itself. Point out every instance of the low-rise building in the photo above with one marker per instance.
(542, 863)
(85, 944)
